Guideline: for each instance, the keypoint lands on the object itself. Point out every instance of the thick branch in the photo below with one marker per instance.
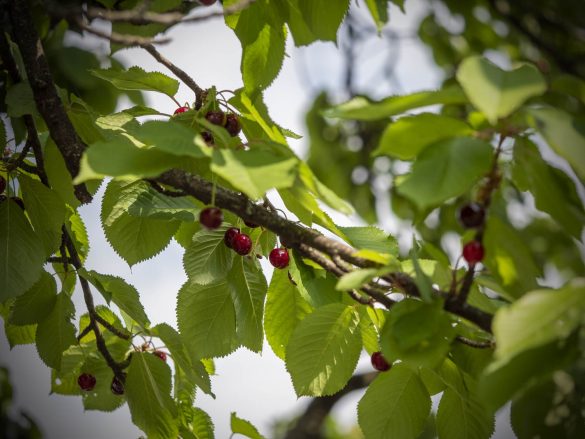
(310, 424)
(46, 98)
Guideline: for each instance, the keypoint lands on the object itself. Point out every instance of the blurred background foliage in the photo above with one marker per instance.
(549, 34)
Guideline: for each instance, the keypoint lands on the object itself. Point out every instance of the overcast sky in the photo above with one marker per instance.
(257, 387)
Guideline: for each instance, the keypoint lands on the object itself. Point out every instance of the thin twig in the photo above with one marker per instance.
(83, 333)
(479, 344)
(139, 17)
(179, 73)
(122, 39)
(111, 328)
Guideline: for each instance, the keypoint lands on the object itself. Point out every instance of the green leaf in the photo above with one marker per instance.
(170, 137)
(550, 410)
(396, 405)
(36, 304)
(124, 295)
(357, 278)
(254, 172)
(553, 191)
(248, 294)
(56, 332)
(59, 177)
(511, 376)
(200, 425)
(19, 335)
(207, 319)
(323, 350)
(262, 59)
(78, 233)
(409, 136)
(461, 413)
(148, 388)
(154, 205)
(417, 333)
(540, 317)
(371, 238)
(134, 239)
(565, 135)
(21, 253)
(46, 211)
(131, 161)
(323, 26)
(509, 258)
(447, 169)
(20, 100)
(243, 427)
(193, 370)
(360, 108)
(496, 92)
(285, 308)
(379, 12)
(136, 78)
(208, 259)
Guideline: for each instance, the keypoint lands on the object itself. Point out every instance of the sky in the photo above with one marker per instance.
(256, 387)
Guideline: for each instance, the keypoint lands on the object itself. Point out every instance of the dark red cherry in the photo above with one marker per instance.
(232, 124)
(160, 354)
(207, 2)
(211, 217)
(216, 117)
(242, 244)
(471, 215)
(279, 257)
(229, 236)
(379, 362)
(208, 138)
(117, 386)
(181, 110)
(2, 184)
(86, 381)
(473, 252)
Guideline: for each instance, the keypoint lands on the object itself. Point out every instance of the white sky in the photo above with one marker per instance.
(257, 387)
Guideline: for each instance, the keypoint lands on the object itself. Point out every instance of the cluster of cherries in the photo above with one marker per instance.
(229, 121)
(87, 381)
(212, 217)
(472, 216)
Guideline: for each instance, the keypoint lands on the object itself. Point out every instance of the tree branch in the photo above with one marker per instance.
(310, 424)
(45, 94)
(178, 73)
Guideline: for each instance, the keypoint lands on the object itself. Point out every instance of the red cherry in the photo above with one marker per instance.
(181, 110)
(242, 244)
(232, 124)
(471, 215)
(207, 2)
(216, 117)
(86, 381)
(229, 236)
(160, 354)
(379, 362)
(473, 252)
(211, 217)
(279, 257)
(117, 386)
(2, 184)
(208, 138)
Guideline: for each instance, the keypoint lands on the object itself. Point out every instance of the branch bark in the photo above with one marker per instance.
(45, 93)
